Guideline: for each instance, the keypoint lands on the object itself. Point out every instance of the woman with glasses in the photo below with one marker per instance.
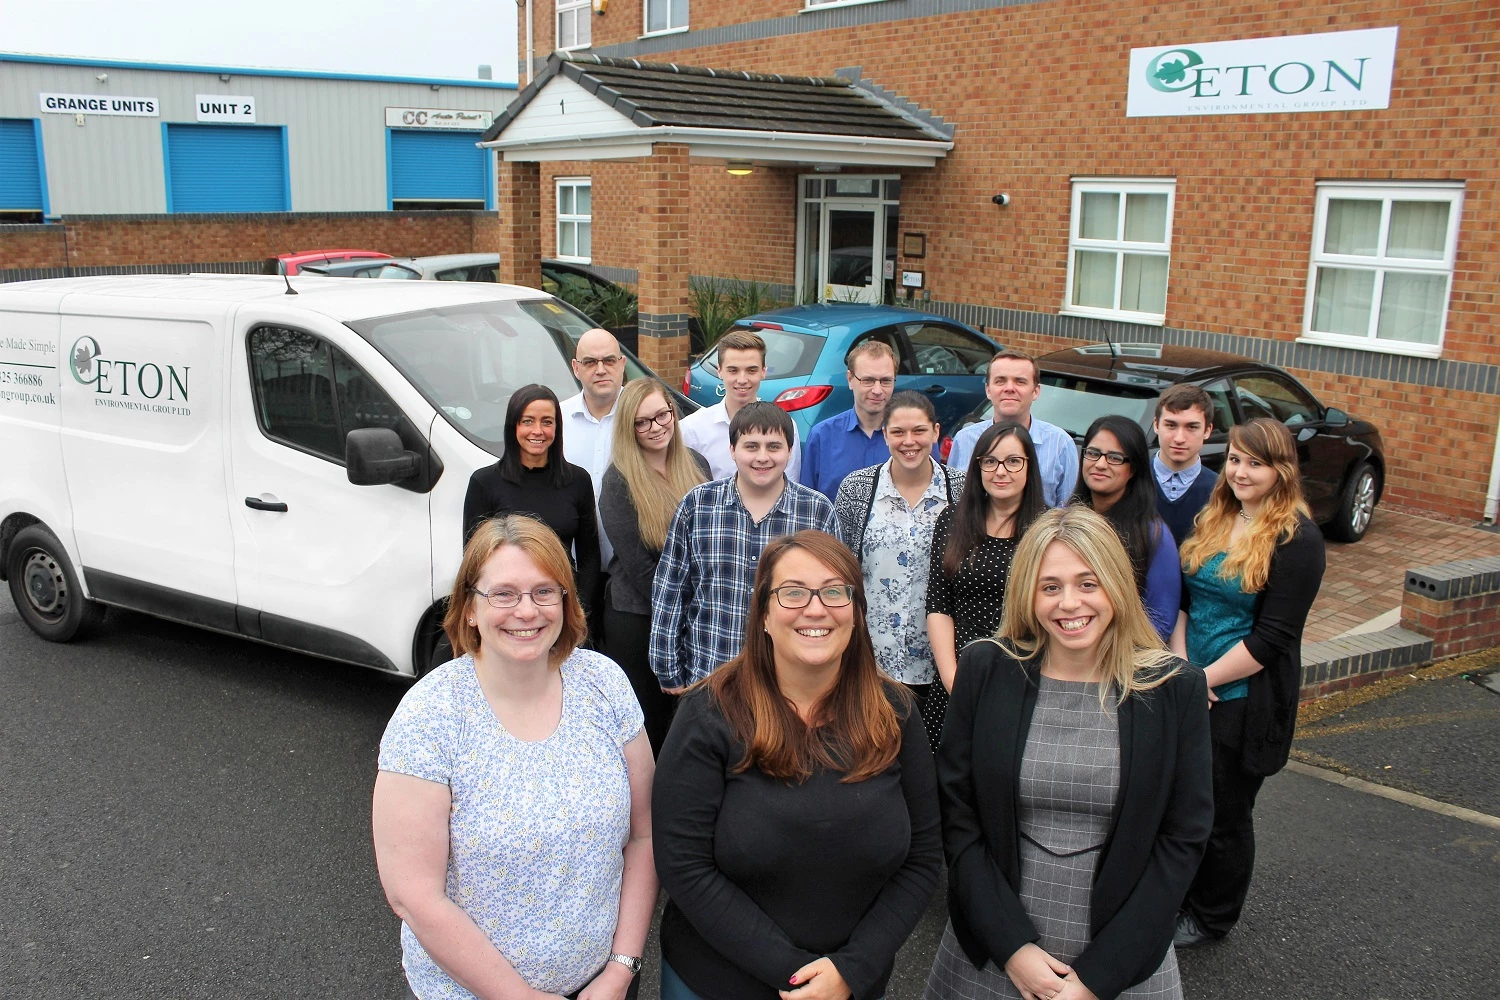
(533, 477)
(1254, 563)
(797, 823)
(887, 513)
(1116, 481)
(1075, 785)
(972, 546)
(650, 472)
(511, 816)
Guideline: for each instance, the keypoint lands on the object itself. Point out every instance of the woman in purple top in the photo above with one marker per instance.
(1116, 481)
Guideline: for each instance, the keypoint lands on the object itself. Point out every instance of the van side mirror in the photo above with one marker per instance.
(374, 456)
(1335, 417)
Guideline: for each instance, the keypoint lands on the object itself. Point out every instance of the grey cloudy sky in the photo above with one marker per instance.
(436, 38)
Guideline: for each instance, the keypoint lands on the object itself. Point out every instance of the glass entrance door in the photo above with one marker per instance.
(852, 252)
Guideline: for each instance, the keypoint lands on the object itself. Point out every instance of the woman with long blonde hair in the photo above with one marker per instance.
(1251, 570)
(1074, 782)
(651, 470)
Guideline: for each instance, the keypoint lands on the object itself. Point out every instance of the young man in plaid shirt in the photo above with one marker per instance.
(701, 594)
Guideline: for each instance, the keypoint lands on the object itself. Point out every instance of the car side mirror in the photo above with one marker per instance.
(374, 456)
(1335, 417)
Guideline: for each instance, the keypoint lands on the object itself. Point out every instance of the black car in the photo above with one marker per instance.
(1342, 457)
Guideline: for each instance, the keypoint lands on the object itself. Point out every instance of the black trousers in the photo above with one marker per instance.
(1223, 881)
(627, 641)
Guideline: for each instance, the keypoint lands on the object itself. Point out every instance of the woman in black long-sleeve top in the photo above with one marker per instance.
(796, 825)
(532, 477)
(1252, 569)
(1075, 784)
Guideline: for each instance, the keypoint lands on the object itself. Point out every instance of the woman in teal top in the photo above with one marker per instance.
(1251, 570)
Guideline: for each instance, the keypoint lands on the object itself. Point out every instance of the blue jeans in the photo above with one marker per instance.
(672, 986)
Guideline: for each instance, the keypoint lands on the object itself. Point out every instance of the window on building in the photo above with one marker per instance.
(1119, 244)
(575, 219)
(836, 3)
(666, 15)
(574, 30)
(1382, 265)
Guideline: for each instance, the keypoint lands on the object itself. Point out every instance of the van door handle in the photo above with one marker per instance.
(256, 503)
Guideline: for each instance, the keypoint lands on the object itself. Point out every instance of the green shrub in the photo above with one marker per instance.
(719, 302)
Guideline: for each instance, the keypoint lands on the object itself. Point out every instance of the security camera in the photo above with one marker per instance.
(1001, 199)
(102, 77)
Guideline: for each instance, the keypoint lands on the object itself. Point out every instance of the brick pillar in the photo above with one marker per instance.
(518, 197)
(664, 264)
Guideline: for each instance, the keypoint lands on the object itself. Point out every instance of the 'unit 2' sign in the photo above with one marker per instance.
(225, 108)
(1336, 71)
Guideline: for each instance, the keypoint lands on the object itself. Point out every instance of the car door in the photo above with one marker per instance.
(1220, 394)
(947, 364)
(328, 567)
(1323, 457)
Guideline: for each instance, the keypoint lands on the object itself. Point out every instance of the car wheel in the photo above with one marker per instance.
(1357, 505)
(46, 589)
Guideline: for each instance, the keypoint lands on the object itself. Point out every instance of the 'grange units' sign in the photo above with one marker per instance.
(101, 104)
(1337, 71)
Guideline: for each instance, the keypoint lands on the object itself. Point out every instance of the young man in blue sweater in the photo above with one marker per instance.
(1184, 420)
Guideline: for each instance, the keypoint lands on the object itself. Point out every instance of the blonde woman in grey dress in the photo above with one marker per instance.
(1075, 784)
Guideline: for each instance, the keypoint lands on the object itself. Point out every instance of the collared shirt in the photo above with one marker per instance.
(707, 433)
(895, 555)
(588, 443)
(1174, 484)
(701, 594)
(838, 446)
(1056, 453)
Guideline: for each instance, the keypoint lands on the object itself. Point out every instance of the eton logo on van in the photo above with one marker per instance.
(129, 385)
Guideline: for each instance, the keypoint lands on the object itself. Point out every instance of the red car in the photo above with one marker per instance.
(291, 263)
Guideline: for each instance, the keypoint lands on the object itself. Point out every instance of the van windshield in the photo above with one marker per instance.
(469, 359)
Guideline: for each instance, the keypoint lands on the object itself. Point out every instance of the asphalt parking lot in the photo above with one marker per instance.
(187, 815)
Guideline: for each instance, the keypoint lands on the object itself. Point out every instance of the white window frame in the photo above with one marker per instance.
(1119, 247)
(1385, 192)
(564, 6)
(824, 4)
(670, 29)
(574, 218)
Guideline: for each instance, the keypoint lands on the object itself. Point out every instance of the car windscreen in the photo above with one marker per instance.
(468, 360)
(1074, 403)
(788, 354)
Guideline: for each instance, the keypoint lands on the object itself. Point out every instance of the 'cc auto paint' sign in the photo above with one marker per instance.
(1337, 71)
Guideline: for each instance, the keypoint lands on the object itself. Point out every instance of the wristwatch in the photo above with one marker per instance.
(633, 964)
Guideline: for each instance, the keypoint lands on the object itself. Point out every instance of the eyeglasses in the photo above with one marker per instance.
(870, 381)
(608, 362)
(1112, 457)
(661, 418)
(1012, 463)
(542, 597)
(793, 597)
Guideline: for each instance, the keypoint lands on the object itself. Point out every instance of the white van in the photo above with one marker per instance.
(289, 468)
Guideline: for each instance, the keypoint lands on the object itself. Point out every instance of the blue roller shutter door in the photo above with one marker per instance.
(437, 166)
(20, 166)
(226, 168)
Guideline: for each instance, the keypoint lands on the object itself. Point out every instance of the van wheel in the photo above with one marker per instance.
(45, 588)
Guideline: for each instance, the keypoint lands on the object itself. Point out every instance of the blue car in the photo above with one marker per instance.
(806, 346)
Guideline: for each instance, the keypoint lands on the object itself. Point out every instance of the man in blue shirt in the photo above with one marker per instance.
(1184, 420)
(700, 596)
(1012, 383)
(852, 439)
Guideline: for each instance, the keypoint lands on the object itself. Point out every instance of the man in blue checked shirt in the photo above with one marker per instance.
(701, 594)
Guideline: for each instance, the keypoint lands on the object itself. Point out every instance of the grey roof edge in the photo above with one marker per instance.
(722, 74)
(928, 122)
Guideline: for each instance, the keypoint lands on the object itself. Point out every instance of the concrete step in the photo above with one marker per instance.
(1351, 661)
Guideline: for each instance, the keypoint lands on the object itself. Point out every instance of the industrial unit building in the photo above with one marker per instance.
(102, 137)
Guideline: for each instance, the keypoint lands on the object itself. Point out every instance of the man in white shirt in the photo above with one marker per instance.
(742, 366)
(589, 418)
(1012, 384)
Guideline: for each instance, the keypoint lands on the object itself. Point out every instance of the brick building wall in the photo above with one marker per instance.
(1037, 93)
(132, 240)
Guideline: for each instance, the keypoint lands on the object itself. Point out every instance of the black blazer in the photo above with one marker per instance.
(1275, 641)
(1162, 817)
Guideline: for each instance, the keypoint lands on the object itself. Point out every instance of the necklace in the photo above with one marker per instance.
(1245, 516)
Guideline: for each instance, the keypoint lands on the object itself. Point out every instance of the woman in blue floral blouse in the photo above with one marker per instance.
(887, 513)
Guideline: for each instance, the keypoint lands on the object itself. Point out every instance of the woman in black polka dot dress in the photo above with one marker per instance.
(972, 545)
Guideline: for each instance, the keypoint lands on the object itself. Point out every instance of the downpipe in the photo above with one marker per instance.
(1492, 498)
